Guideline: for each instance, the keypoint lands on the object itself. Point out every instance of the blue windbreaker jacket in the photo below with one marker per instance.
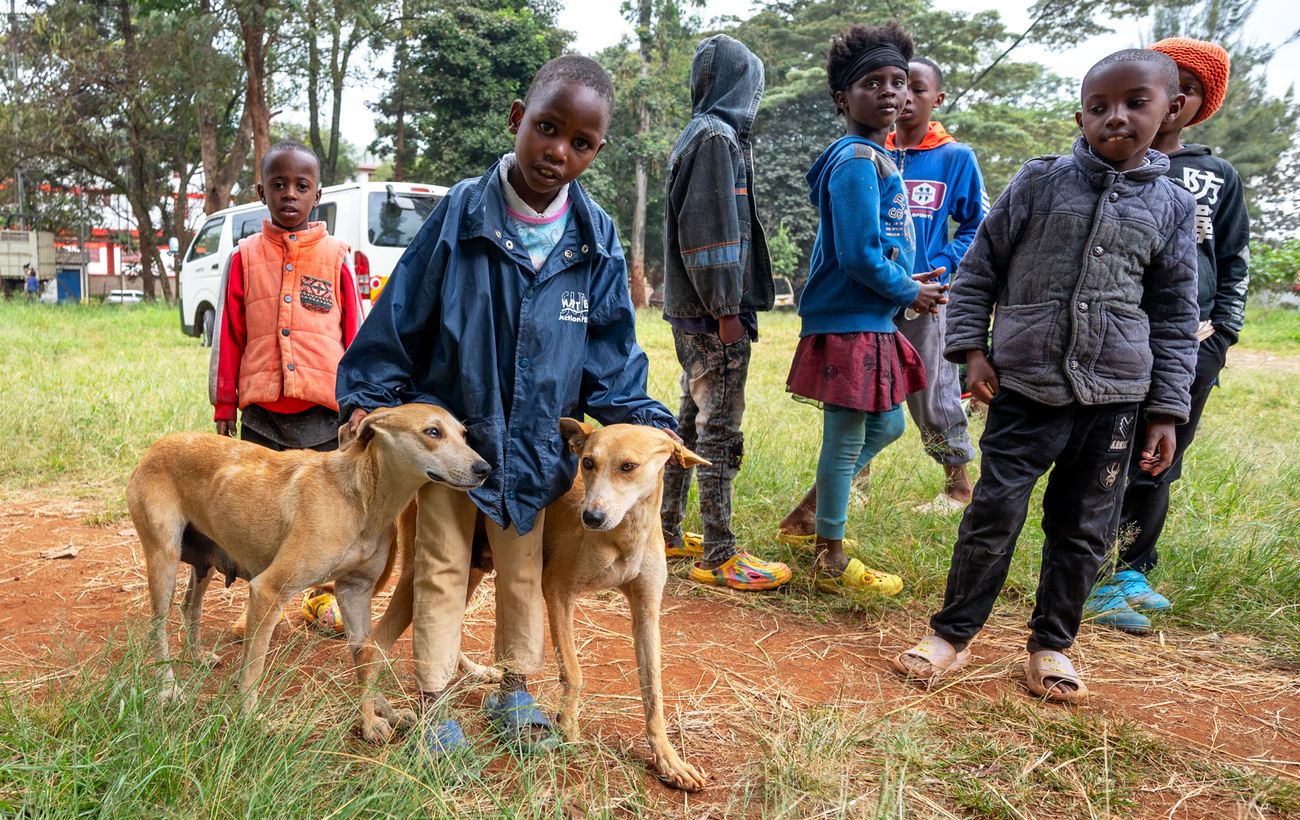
(465, 323)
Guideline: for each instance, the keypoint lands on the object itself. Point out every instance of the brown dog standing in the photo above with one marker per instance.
(287, 520)
(603, 534)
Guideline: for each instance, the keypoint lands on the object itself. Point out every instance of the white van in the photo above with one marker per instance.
(377, 219)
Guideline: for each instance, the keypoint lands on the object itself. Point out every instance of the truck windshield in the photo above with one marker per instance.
(395, 220)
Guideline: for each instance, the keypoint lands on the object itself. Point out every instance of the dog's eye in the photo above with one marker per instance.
(629, 466)
(433, 432)
(587, 463)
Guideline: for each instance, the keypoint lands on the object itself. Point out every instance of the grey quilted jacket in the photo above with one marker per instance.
(1093, 274)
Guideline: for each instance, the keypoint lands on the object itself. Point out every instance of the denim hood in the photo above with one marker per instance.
(727, 82)
(716, 261)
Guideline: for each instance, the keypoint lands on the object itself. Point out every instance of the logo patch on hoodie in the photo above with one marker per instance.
(925, 196)
(317, 295)
(573, 306)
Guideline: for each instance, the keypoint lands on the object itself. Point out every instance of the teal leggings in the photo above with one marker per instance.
(850, 439)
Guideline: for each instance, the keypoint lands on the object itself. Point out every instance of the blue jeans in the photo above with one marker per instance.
(850, 439)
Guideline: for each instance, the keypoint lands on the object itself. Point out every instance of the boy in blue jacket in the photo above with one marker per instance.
(511, 310)
(943, 182)
(1091, 263)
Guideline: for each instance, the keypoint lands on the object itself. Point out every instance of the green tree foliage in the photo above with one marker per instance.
(470, 60)
(1275, 266)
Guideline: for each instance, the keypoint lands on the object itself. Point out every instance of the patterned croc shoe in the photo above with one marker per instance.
(321, 609)
(686, 545)
(744, 572)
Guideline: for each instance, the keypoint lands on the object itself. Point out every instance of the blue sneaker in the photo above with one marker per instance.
(1107, 607)
(519, 721)
(1139, 594)
(443, 738)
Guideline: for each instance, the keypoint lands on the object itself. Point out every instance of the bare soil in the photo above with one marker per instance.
(732, 670)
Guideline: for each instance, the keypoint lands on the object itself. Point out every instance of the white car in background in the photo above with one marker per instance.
(124, 297)
(377, 219)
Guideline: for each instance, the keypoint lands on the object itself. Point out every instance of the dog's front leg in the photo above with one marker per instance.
(267, 596)
(378, 718)
(559, 610)
(644, 600)
(194, 592)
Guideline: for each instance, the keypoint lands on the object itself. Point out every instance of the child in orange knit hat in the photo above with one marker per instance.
(1222, 237)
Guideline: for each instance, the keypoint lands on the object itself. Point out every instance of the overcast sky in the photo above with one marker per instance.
(598, 24)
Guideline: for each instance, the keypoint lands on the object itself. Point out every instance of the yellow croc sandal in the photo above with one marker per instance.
(857, 576)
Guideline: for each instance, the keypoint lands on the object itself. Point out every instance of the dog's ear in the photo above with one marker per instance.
(684, 457)
(365, 430)
(575, 434)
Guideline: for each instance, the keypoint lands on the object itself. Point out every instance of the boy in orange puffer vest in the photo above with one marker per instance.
(290, 310)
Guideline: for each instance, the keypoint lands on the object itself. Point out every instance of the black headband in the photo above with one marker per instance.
(868, 60)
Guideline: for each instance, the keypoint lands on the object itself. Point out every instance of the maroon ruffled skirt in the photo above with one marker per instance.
(868, 372)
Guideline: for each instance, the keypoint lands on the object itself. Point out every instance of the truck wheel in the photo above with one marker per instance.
(209, 325)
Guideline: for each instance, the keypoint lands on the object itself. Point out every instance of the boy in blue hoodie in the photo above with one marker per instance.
(717, 275)
(943, 182)
(511, 310)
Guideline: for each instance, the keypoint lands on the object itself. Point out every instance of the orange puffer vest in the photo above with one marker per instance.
(295, 322)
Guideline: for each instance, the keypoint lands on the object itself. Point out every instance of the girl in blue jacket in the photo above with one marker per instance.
(850, 359)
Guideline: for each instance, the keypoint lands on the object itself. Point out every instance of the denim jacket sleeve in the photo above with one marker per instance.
(983, 268)
(856, 191)
(1169, 301)
(380, 364)
(708, 224)
(615, 369)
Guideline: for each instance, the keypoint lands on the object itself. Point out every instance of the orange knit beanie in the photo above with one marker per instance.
(1208, 61)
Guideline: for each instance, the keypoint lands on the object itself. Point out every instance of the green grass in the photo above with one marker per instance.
(86, 390)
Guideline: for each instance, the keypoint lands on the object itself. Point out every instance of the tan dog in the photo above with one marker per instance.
(287, 520)
(604, 533)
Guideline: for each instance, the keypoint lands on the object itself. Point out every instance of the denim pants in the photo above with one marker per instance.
(850, 439)
(713, 402)
(1087, 448)
(937, 409)
(1145, 504)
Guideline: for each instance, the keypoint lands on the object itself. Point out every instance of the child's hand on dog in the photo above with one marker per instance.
(226, 428)
(981, 378)
(1158, 452)
(932, 292)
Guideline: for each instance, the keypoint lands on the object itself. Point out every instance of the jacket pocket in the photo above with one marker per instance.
(1124, 350)
(1023, 336)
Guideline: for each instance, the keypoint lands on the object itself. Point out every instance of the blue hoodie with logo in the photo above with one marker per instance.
(943, 180)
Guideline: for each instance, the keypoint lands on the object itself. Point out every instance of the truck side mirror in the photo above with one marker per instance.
(173, 246)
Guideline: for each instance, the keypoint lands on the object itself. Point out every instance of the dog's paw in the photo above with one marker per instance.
(376, 729)
(479, 672)
(169, 692)
(212, 661)
(678, 773)
(568, 725)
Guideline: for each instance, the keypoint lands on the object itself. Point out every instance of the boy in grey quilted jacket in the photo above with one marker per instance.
(1090, 261)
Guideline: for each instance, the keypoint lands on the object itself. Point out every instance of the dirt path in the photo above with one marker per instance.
(725, 662)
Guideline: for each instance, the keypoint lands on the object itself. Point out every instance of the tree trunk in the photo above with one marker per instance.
(399, 138)
(220, 175)
(252, 25)
(636, 280)
(313, 84)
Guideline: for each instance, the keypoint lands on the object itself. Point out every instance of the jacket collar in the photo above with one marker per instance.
(314, 232)
(485, 213)
(935, 136)
(1102, 175)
